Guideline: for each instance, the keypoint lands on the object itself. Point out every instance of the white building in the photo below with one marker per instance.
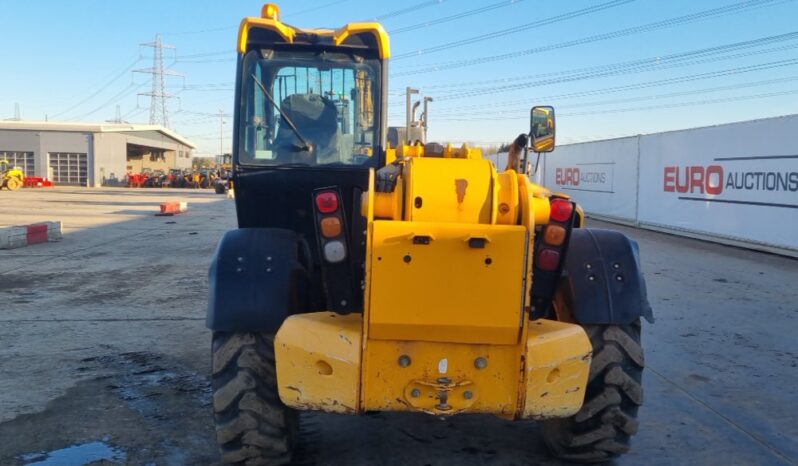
(91, 154)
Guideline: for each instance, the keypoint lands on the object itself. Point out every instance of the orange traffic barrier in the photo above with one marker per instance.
(172, 208)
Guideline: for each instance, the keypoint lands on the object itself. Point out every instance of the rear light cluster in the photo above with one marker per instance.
(554, 234)
(331, 226)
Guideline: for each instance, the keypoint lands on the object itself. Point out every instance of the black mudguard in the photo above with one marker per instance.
(255, 279)
(603, 280)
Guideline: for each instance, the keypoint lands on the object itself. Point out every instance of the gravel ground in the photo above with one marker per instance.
(104, 355)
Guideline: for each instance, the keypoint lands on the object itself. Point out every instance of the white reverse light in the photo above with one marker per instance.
(334, 251)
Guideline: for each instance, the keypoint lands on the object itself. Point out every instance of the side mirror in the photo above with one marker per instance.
(542, 129)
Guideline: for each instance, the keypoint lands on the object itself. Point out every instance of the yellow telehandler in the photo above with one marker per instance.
(10, 177)
(364, 277)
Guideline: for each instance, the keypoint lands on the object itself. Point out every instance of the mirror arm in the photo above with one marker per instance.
(537, 162)
(525, 159)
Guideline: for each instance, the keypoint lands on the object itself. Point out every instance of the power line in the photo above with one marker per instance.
(212, 85)
(206, 54)
(135, 111)
(730, 87)
(586, 76)
(454, 17)
(576, 75)
(94, 94)
(649, 107)
(644, 64)
(202, 57)
(214, 115)
(315, 8)
(408, 9)
(687, 104)
(657, 83)
(129, 90)
(664, 24)
(710, 74)
(515, 29)
(195, 121)
(207, 60)
(525, 112)
(233, 28)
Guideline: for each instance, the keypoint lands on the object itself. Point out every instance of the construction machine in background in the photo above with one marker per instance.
(11, 177)
(414, 278)
(224, 168)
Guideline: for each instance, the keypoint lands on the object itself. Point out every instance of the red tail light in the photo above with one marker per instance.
(561, 210)
(548, 259)
(327, 202)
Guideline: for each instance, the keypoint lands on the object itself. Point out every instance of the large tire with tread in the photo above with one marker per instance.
(602, 429)
(13, 183)
(253, 427)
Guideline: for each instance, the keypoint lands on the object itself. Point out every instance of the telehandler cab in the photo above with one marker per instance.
(364, 277)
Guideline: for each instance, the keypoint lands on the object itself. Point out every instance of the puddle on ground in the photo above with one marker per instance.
(76, 455)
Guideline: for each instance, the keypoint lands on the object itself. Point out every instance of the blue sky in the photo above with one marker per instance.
(611, 68)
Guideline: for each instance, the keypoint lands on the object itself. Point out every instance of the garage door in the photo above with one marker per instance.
(23, 160)
(69, 167)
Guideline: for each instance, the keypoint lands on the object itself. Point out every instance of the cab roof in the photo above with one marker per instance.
(269, 29)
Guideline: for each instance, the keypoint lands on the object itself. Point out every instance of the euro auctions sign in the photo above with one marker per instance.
(730, 180)
(595, 176)
(736, 181)
(601, 176)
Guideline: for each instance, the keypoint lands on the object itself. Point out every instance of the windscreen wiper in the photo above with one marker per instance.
(306, 145)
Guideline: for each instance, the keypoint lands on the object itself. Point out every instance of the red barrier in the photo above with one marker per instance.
(37, 233)
(172, 208)
(37, 182)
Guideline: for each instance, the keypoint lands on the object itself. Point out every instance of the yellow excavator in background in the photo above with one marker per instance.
(416, 278)
(11, 177)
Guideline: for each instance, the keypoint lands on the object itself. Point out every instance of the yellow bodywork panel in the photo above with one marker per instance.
(288, 33)
(390, 155)
(319, 368)
(448, 190)
(441, 378)
(446, 282)
(351, 29)
(580, 215)
(285, 31)
(535, 204)
(558, 358)
(389, 205)
(318, 361)
(507, 198)
(449, 152)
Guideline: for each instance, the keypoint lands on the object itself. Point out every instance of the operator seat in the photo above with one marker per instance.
(316, 118)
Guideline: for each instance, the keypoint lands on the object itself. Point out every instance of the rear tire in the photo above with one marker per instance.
(253, 427)
(602, 429)
(13, 184)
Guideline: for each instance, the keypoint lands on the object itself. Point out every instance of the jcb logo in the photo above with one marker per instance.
(567, 176)
(704, 180)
